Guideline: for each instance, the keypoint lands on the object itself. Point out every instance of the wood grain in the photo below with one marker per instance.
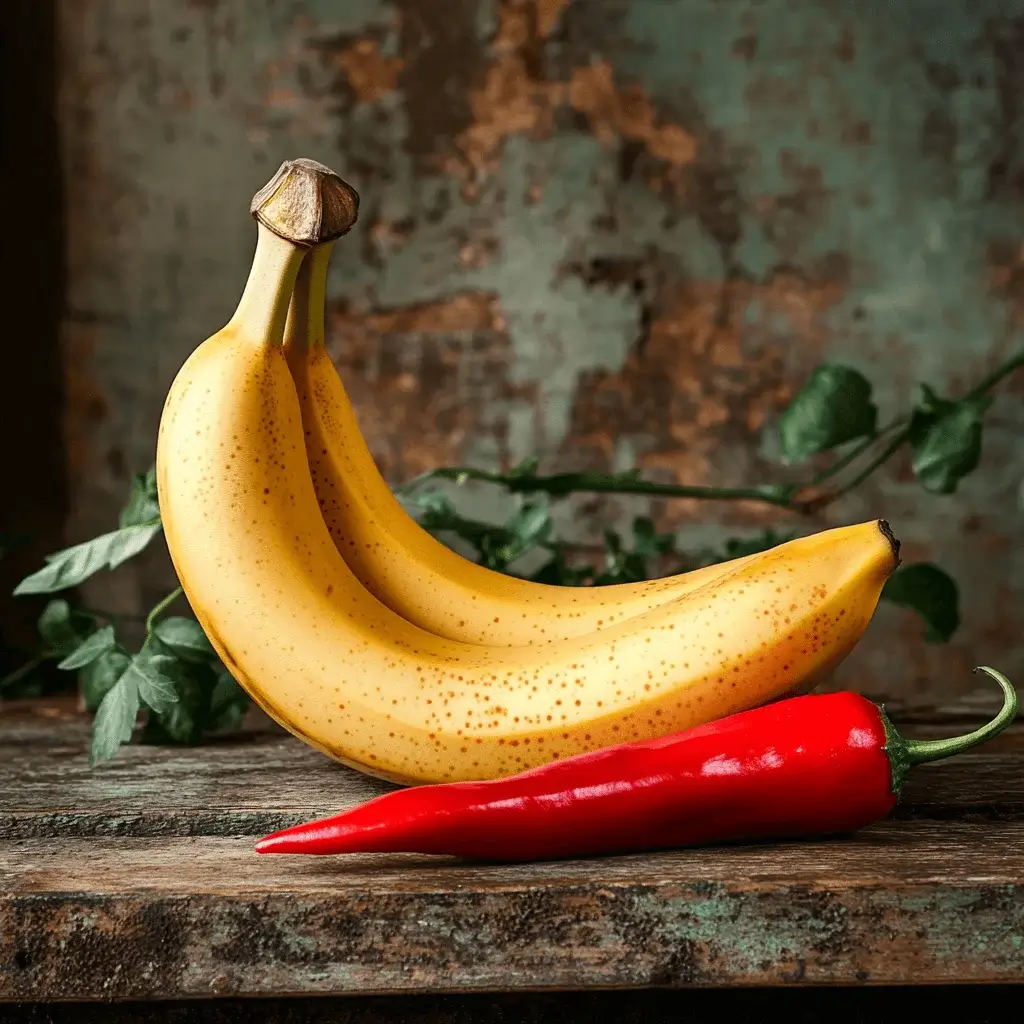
(262, 779)
(126, 918)
(139, 881)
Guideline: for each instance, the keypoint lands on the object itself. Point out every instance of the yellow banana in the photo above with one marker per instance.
(397, 560)
(355, 680)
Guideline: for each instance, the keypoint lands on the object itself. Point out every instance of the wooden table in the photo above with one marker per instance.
(138, 881)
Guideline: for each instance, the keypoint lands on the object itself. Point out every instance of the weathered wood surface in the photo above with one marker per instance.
(139, 881)
(262, 779)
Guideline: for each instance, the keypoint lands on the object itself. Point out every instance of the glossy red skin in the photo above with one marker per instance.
(811, 765)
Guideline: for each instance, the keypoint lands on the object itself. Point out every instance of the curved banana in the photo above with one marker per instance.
(397, 560)
(355, 680)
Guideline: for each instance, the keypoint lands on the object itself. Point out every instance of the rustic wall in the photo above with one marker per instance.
(608, 232)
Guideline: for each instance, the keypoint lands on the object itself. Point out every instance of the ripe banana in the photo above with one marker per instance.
(398, 561)
(355, 680)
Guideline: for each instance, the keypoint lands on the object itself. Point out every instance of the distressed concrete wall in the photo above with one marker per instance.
(611, 233)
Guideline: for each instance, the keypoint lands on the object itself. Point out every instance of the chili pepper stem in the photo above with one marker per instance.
(905, 754)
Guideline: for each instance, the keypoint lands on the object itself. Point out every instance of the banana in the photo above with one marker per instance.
(397, 560)
(354, 679)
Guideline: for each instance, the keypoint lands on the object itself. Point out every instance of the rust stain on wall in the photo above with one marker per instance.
(426, 377)
(790, 216)
(439, 46)
(701, 378)
(370, 74)
(464, 312)
(1005, 39)
(629, 114)
(1006, 275)
(513, 97)
(516, 97)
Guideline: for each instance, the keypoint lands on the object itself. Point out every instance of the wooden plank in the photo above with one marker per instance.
(262, 779)
(143, 918)
(138, 880)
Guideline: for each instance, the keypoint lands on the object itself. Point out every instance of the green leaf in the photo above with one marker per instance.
(612, 546)
(529, 526)
(738, 547)
(185, 638)
(432, 501)
(155, 676)
(621, 566)
(528, 467)
(93, 647)
(73, 565)
(228, 703)
(647, 543)
(114, 720)
(557, 572)
(63, 628)
(945, 439)
(833, 407)
(185, 721)
(208, 700)
(98, 677)
(143, 506)
(931, 593)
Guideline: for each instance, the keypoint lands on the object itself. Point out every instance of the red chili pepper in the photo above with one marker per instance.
(810, 765)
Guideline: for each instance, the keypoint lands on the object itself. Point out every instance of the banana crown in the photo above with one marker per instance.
(306, 203)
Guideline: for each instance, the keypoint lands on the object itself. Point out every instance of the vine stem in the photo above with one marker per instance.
(986, 384)
(886, 453)
(854, 453)
(797, 497)
(160, 608)
(559, 485)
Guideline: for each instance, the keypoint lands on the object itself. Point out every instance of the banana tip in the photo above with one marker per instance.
(894, 544)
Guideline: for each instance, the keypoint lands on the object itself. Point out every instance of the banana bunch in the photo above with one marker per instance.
(373, 642)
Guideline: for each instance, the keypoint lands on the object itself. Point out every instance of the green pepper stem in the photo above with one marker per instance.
(904, 753)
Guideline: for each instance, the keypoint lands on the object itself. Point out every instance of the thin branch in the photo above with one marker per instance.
(559, 485)
(854, 453)
(160, 608)
(804, 498)
(1015, 362)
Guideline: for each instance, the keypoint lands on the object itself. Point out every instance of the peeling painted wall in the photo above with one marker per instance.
(610, 233)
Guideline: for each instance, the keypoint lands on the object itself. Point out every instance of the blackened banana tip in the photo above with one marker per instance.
(887, 533)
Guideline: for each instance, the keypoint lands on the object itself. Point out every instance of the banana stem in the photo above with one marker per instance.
(263, 307)
(304, 329)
